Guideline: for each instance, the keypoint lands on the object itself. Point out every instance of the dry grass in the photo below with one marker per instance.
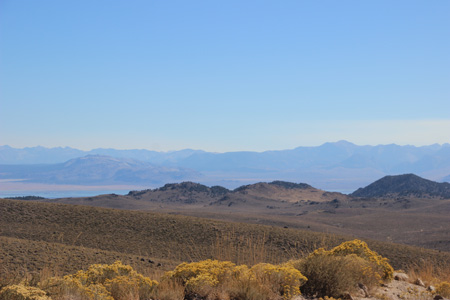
(139, 235)
(429, 273)
(423, 222)
(328, 275)
(67, 238)
(26, 258)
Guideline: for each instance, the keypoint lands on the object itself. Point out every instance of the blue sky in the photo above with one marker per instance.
(223, 75)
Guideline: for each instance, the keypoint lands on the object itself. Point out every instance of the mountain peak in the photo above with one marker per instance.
(274, 187)
(100, 159)
(341, 143)
(344, 142)
(404, 185)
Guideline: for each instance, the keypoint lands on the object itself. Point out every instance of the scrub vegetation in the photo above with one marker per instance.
(61, 252)
(328, 274)
(212, 279)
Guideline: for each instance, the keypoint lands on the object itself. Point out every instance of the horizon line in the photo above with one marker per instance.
(193, 149)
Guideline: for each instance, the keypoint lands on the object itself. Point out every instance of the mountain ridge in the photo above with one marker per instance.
(37, 155)
(340, 166)
(391, 186)
(96, 169)
(194, 193)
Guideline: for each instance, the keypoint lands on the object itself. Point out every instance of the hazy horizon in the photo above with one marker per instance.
(340, 166)
(244, 150)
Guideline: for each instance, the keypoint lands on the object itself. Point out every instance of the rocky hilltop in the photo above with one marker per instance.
(407, 185)
(252, 194)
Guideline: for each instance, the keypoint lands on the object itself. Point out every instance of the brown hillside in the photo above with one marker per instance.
(423, 222)
(34, 226)
(22, 256)
(282, 192)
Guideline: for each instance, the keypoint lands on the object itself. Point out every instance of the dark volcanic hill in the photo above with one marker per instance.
(276, 191)
(185, 192)
(258, 198)
(404, 185)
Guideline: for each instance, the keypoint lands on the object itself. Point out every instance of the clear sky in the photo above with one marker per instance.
(223, 75)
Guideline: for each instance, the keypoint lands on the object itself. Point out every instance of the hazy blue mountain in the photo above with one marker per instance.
(446, 178)
(147, 155)
(433, 160)
(37, 155)
(325, 155)
(385, 158)
(42, 155)
(340, 166)
(97, 169)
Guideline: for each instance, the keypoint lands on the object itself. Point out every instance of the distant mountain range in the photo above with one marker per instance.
(340, 166)
(97, 169)
(42, 155)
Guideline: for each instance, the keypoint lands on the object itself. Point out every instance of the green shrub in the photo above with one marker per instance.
(332, 275)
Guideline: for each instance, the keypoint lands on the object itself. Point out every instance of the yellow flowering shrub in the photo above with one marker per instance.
(217, 270)
(283, 279)
(75, 288)
(332, 273)
(361, 249)
(209, 278)
(202, 284)
(109, 282)
(202, 277)
(443, 289)
(22, 292)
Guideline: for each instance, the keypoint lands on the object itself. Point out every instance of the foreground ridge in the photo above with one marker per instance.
(350, 270)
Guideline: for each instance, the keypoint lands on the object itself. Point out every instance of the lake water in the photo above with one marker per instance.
(60, 194)
(17, 188)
